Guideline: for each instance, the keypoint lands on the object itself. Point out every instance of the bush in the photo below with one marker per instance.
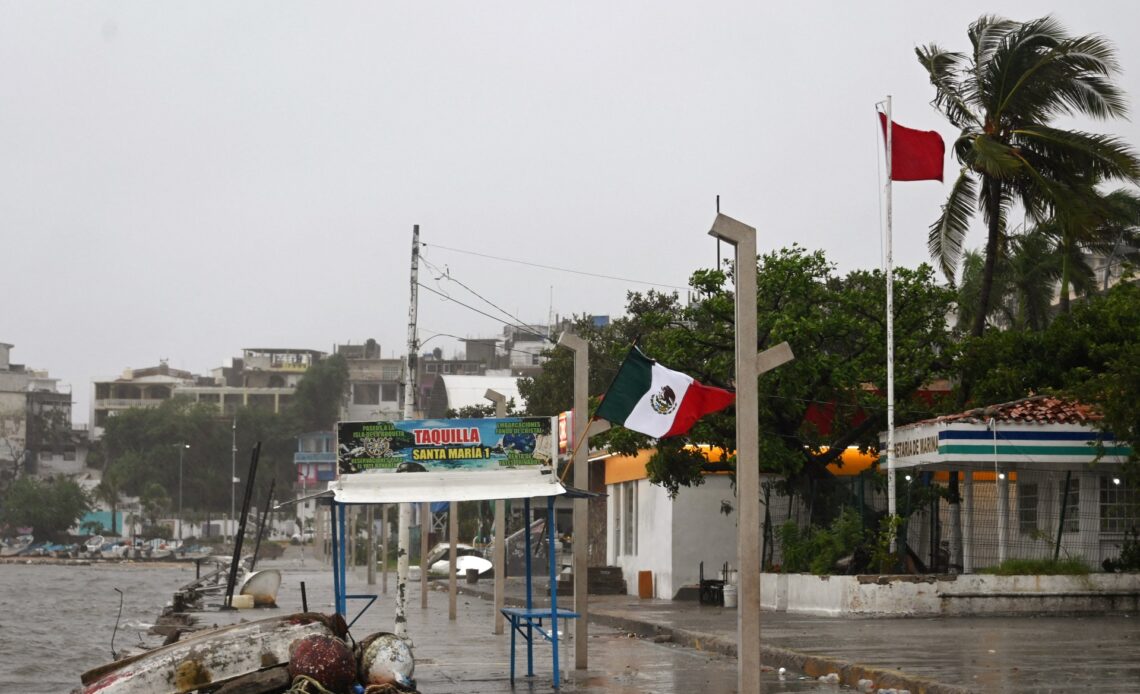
(1038, 567)
(817, 549)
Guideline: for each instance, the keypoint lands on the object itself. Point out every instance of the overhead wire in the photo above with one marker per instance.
(446, 274)
(556, 268)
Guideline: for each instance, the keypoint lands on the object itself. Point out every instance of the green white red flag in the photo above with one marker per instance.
(653, 400)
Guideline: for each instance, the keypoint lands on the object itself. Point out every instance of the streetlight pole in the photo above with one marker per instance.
(233, 480)
(181, 449)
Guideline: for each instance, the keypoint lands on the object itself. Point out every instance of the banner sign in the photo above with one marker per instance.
(419, 445)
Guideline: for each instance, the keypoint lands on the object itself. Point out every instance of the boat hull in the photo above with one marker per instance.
(210, 657)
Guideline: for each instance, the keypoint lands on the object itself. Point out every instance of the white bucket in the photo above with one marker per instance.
(242, 602)
(729, 595)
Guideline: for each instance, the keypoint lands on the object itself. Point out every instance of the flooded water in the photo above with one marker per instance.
(57, 622)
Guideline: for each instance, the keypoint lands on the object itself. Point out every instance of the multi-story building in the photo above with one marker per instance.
(262, 378)
(36, 434)
(147, 387)
(374, 383)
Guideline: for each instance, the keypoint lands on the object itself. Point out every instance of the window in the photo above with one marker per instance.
(1072, 505)
(431, 368)
(617, 521)
(388, 392)
(1119, 505)
(629, 538)
(366, 394)
(1027, 508)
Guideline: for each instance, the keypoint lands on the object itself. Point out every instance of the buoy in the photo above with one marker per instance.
(325, 659)
(386, 659)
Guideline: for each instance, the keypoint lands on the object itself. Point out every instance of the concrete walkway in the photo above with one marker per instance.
(949, 654)
(690, 647)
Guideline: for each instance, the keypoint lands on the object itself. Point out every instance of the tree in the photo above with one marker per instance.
(1110, 230)
(829, 397)
(321, 391)
(50, 506)
(1089, 354)
(1003, 96)
(154, 502)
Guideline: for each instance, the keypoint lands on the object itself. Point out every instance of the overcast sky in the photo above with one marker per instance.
(181, 181)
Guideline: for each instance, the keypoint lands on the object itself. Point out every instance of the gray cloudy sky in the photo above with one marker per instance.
(184, 180)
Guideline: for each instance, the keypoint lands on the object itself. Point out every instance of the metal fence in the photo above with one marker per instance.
(1084, 514)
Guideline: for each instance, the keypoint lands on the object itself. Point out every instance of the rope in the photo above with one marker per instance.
(581, 440)
(303, 684)
(388, 689)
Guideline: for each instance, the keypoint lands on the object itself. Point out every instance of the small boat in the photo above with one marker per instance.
(209, 658)
(11, 548)
(94, 544)
(263, 586)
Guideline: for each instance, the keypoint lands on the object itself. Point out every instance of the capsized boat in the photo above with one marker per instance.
(210, 658)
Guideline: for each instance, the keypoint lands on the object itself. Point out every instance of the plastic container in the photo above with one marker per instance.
(644, 584)
(729, 595)
(242, 602)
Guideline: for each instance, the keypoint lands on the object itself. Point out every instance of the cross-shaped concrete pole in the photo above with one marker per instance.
(498, 557)
(749, 366)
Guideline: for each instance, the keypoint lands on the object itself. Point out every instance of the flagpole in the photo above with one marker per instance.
(891, 503)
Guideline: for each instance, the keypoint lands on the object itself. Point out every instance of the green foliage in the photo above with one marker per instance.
(1003, 96)
(320, 393)
(1129, 559)
(1089, 354)
(836, 327)
(154, 501)
(882, 558)
(50, 506)
(140, 446)
(817, 549)
(1038, 567)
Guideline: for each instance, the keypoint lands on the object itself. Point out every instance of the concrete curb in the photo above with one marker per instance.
(811, 665)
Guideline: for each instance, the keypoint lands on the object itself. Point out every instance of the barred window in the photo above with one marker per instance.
(1119, 505)
(1027, 508)
(1071, 505)
(629, 543)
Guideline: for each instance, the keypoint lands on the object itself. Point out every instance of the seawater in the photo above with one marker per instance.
(56, 621)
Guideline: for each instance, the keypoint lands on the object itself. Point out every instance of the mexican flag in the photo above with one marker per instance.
(655, 401)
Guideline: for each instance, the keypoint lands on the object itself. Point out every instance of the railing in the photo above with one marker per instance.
(114, 403)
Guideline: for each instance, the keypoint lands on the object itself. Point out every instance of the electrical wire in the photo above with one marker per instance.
(446, 274)
(556, 268)
(481, 312)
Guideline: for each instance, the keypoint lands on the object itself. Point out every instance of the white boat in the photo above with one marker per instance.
(94, 544)
(18, 544)
(208, 657)
(263, 586)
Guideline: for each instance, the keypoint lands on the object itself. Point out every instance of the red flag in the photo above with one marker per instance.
(916, 155)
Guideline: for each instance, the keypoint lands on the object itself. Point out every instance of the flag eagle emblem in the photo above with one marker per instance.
(664, 402)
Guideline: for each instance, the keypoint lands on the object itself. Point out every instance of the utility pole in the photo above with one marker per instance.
(403, 533)
(233, 480)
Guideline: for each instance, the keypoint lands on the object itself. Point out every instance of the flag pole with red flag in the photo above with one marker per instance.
(919, 157)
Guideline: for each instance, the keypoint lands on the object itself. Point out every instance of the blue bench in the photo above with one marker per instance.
(525, 622)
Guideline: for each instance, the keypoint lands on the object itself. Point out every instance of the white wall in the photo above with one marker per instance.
(701, 533)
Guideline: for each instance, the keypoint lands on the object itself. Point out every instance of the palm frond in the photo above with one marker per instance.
(995, 158)
(944, 68)
(1065, 153)
(948, 232)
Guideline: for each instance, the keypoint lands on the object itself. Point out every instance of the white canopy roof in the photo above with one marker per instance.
(463, 391)
(417, 487)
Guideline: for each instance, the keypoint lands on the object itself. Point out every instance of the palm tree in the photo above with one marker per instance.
(1002, 97)
(1110, 230)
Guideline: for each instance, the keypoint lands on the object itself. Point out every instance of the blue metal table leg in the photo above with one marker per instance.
(553, 584)
(529, 594)
(514, 629)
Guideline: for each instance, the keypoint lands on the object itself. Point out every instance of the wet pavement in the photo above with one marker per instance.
(698, 645)
(465, 656)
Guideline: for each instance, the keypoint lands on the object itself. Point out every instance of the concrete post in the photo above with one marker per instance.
(425, 528)
(581, 464)
(743, 238)
(453, 538)
(968, 522)
(498, 558)
(384, 548)
(370, 521)
(1003, 514)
